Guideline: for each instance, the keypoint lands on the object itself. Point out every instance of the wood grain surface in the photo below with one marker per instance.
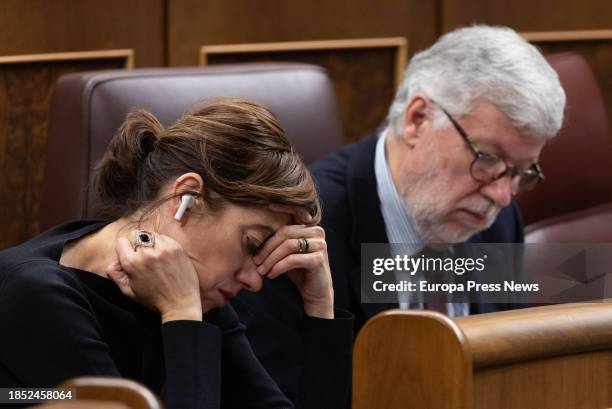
(245, 21)
(364, 77)
(521, 335)
(528, 15)
(411, 359)
(576, 381)
(547, 357)
(43, 26)
(124, 391)
(25, 97)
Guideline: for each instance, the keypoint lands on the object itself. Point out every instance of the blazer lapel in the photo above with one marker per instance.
(368, 223)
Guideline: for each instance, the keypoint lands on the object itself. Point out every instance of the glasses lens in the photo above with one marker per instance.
(527, 181)
(487, 168)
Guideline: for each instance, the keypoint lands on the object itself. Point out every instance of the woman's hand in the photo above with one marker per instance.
(161, 277)
(308, 270)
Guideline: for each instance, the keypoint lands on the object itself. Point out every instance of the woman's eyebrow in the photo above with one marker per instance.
(268, 230)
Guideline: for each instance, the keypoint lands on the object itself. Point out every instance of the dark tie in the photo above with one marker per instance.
(434, 305)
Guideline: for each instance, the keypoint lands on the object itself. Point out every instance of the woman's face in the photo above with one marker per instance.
(221, 246)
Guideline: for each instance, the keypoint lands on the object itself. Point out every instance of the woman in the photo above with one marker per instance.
(209, 206)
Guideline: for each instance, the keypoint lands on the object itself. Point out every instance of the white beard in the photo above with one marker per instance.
(423, 197)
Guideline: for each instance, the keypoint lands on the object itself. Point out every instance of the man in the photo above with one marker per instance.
(463, 135)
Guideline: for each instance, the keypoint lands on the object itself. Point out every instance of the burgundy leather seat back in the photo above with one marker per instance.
(576, 162)
(592, 225)
(87, 108)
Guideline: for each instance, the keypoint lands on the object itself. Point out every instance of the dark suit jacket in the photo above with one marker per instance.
(351, 216)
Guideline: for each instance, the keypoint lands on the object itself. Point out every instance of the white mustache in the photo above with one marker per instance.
(485, 208)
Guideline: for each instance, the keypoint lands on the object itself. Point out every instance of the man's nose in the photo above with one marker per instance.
(248, 277)
(499, 191)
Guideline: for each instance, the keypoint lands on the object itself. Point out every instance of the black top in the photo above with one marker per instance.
(58, 322)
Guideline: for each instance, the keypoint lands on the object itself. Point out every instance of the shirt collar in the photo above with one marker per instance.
(399, 224)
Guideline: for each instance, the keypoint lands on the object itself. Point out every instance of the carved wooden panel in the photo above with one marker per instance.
(364, 72)
(26, 85)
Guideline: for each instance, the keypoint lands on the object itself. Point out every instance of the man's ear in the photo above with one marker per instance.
(415, 116)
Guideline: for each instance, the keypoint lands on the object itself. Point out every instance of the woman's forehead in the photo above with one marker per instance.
(265, 219)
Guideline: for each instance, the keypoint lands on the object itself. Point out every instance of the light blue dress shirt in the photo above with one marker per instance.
(400, 225)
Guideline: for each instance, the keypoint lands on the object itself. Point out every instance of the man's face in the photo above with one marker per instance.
(447, 204)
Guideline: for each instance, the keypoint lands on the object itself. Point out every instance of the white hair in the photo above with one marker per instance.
(483, 62)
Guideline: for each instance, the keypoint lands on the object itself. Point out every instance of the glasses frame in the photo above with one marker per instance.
(510, 169)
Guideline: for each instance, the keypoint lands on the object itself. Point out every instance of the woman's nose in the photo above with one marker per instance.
(248, 277)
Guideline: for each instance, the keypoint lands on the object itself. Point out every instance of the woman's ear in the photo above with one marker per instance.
(188, 182)
(415, 116)
(185, 189)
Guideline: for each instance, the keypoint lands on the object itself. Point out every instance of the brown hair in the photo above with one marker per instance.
(236, 146)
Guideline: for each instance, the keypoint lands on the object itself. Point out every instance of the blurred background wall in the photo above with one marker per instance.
(171, 32)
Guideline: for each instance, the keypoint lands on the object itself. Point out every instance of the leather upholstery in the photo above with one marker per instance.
(574, 204)
(577, 161)
(88, 107)
(592, 225)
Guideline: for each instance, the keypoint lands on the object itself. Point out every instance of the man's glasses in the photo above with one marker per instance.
(487, 168)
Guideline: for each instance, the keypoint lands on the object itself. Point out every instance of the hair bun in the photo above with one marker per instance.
(117, 175)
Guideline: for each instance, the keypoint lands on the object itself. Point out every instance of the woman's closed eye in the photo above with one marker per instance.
(253, 242)
(252, 246)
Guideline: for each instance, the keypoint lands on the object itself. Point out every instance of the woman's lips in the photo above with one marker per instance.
(228, 295)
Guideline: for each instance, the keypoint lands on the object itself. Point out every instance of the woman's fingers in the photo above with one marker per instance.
(125, 251)
(158, 273)
(308, 262)
(121, 279)
(123, 282)
(286, 249)
(276, 240)
(301, 252)
(284, 234)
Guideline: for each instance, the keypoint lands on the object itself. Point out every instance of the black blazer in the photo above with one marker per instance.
(351, 216)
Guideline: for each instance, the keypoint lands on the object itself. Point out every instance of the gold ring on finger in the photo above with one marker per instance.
(303, 245)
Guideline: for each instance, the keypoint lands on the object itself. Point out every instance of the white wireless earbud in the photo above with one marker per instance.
(186, 202)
